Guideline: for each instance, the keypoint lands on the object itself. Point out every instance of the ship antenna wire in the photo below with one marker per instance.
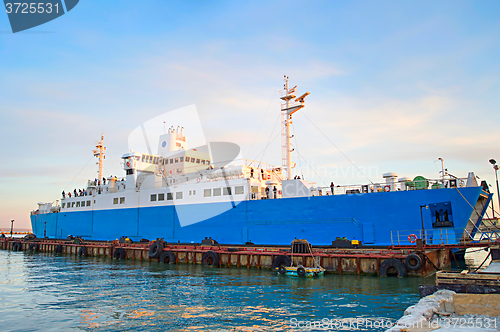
(263, 151)
(319, 177)
(268, 141)
(337, 148)
(65, 188)
(260, 126)
(297, 146)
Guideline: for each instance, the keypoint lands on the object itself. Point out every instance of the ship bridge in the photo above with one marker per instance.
(173, 158)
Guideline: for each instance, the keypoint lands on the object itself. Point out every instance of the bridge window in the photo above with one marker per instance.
(217, 191)
(153, 198)
(171, 161)
(239, 190)
(77, 204)
(88, 203)
(161, 197)
(169, 197)
(187, 159)
(122, 200)
(178, 195)
(197, 161)
(143, 158)
(63, 205)
(206, 193)
(227, 191)
(181, 159)
(115, 200)
(176, 160)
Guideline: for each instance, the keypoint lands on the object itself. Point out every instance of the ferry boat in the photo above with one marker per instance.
(188, 195)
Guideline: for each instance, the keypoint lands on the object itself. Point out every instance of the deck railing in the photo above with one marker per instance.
(443, 236)
(395, 186)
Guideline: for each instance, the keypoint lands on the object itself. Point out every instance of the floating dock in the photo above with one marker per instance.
(400, 262)
(485, 281)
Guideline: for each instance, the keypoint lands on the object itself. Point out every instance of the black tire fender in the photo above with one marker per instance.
(35, 247)
(282, 269)
(281, 260)
(17, 246)
(120, 253)
(301, 272)
(168, 257)
(395, 263)
(210, 258)
(413, 262)
(82, 251)
(58, 249)
(156, 249)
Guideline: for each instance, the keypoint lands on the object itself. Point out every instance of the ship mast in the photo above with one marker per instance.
(99, 153)
(288, 107)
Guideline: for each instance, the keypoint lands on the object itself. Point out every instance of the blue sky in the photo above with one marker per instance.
(393, 84)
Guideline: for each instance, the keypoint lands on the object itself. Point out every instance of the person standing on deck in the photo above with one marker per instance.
(332, 187)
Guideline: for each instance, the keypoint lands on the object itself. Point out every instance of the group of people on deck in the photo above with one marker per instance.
(84, 192)
(268, 191)
(98, 182)
(79, 193)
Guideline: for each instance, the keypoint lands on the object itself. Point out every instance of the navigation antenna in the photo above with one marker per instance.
(99, 153)
(288, 107)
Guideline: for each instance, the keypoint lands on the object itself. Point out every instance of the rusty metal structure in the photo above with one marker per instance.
(392, 261)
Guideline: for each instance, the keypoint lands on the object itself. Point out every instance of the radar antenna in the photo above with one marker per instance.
(99, 152)
(288, 107)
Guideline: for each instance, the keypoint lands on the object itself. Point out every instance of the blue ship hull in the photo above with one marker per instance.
(373, 218)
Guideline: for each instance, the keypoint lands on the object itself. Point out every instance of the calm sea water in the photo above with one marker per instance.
(44, 292)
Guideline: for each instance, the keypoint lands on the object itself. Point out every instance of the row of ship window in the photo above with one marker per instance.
(155, 160)
(75, 204)
(238, 190)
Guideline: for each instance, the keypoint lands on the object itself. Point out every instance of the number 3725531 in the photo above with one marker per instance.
(31, 8)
